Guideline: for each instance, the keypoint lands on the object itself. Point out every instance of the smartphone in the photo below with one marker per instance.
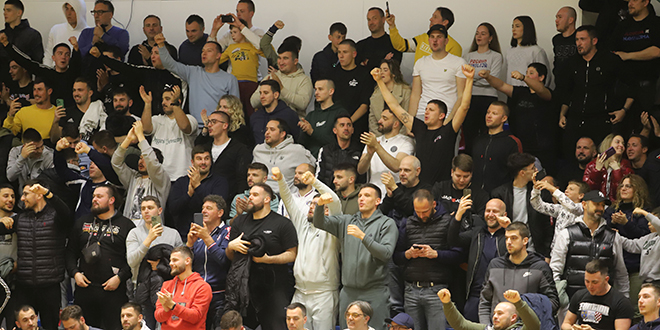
(156, 220)
(387, 8)
(541, 174)
(59, 102)
(417, 247)
(609, 152)
(467, 191)
(227, 19)
(198, 218)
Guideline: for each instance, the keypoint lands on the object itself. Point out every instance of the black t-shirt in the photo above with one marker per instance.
(375, 50)
(24, 94)
(352, 89)
(435, 150)
(532, 120)
(278, 232)
(600, 312)
(563, 48)
(634, 36)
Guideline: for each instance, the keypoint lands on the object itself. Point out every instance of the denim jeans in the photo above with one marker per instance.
(423, 305)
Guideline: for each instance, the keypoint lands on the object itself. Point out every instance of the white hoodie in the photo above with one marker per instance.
(60, 33)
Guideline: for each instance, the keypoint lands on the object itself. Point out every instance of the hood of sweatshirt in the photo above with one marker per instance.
(288, 140)
(81, 9)
(180, 287)
(648, 325)
(532, 258)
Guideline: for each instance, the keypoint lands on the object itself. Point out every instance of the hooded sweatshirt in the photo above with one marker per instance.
(286, 155)
(648, 247)
(364, 263)
(261, 117)
(192, 298)
(652, 325)
(60, 33)
(297, 91)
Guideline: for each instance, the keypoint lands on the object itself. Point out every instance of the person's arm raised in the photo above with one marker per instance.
(415, 95)
(536, 85)
(461, 112)
(391, 101)
(496, 83)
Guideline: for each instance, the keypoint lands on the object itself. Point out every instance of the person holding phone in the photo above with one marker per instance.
(608, 169)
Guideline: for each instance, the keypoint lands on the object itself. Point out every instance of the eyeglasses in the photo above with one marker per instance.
(353, 315)
(100, 12)
(214, 121)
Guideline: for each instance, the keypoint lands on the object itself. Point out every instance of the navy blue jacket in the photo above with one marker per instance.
(212, 263)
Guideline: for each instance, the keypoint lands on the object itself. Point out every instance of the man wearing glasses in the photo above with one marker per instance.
(104, 33)
(358, 314)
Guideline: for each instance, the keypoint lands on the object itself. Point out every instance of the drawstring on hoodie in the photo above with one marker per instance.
(184, 285)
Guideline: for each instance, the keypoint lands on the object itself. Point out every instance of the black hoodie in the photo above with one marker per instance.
(490, 154)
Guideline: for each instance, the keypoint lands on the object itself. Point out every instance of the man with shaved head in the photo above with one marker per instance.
(398, 202)
(563, 44)
(484, 244)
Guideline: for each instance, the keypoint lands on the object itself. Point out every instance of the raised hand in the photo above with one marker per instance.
(279, 24)
(160, 40)
(517, 75)
(146, 97)
(62, 144)
(308, 178)
(512, 296)
(74, 42)
(376, 74)
(445, 296)
(484, 74)
(95, 52)
(82, 148)
(468, 71)
(324, 199)
(504, 221)
(277, 174)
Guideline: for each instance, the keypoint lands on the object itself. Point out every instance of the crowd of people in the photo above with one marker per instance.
(163, 187)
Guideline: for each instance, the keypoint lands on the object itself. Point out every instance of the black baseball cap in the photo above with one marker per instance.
(596, 197)
(438, 27)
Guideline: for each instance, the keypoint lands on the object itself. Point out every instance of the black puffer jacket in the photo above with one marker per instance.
(27, 39)
(332, 155)
(237, 294)
(150, 281)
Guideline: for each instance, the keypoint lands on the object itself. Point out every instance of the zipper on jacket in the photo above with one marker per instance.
(483, 171)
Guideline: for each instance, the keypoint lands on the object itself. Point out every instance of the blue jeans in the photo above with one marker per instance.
(423, 305)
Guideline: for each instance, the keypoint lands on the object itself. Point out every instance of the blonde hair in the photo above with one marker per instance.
(607, 142)
(235, 111)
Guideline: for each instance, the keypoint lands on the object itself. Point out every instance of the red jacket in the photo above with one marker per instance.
(192, 298)
(597, 180)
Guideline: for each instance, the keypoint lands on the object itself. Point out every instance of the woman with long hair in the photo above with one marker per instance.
(485, 54)
(524, 50)
(238, 130)
(608, 169)
(393, 79)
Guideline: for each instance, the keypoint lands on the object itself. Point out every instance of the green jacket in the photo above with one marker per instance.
(322, 121)
(527, 318)
(364, 262)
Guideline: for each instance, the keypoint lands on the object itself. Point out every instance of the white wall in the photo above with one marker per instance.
(310, 19)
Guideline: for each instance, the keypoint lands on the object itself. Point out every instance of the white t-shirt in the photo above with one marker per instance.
(174, 144)
(216, 150)
(438, 80)
(393, 146)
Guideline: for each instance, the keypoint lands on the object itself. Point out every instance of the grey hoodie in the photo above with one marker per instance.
(287, 155)
(364, 261)
(649, 248)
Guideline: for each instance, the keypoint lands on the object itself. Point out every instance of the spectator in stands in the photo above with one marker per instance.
(86, 114)
(148, 246)
(27, 318)
(266, 44)
(104, 147)
(483, 243)
(516, 195)
(590, 230)
(344, 177)
(296, 87)
(563, 43)
(369, 254)
(317, 249)
(391, 75)
(304, 192)
(103, 32)
(420, 44)
(279, 150)
(515, 313)
(18, 31)
(100, 272)
(120, 120)
(107, 80)
(150, 179)
(606, 171)
(141, 54)
(573, 170)
(230, 157)
(316, 126)
(358, 315)
(39, 116)
(485, 54)
(75, 13)
(186, 309)
(208, 243)
(8, 248)
(267, 301)
(66, 69)
(238, 129)
(649, 305)
(531, 112)
(172, 133)
(423, 249)
(524, 50)
(190, 50)
(132, 318)
(520, 270)
(398, 201)
(20, 88)
(27, 161)
(646, 246)
(353, 86)
(207, 84)
(244, 11)
(637, 150)
(231, 320)
(41, 266)
(72, 318)
(256, 173)
(342, 150)
(187, 194)
(377, 47)
(450, 192)
(273, 108)
(587, 305)
(296, 316)
(326, 60)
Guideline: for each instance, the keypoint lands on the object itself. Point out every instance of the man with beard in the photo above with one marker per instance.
(344, 181)
(88, 116)
(39, 116)
(318, 249)
(305, 194)
(270, 284)
(150, 179)
(378, 46)
(96, 258)
(208, 244)
(173, 133)
(256, 173)
(8, 247)
(389, 149)
(41, 253)
(120, 120)
(188, 192)
(72, 319)
(342, 150)
(183, 301)
(483, 243)
(132, 318)
(585, 151)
